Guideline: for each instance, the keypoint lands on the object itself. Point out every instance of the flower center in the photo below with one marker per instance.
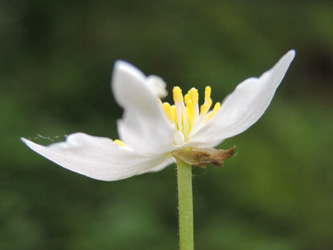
(185, 114)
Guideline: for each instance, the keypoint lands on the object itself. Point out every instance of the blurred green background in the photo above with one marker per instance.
(56, 59)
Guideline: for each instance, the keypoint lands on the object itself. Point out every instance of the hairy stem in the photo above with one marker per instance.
(185, 205)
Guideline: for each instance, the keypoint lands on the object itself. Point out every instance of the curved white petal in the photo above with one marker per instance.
(98, 157)
(242, 108)
(161, 166)
(157, 85)
(144, 126)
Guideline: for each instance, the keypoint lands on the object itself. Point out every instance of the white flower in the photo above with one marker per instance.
(150, 131)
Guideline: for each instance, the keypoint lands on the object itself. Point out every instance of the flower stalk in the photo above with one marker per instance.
(185, 205)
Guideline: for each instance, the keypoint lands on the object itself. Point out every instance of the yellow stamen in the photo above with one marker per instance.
(187, 98)
(215, 109)
(168, 111)
(180, 108)
(194, 95)
(208, 102)
(191, 102)
(174, 112)
(208, 92)
(177, 95)
(189, 120)
(189, 106)
(120, 143)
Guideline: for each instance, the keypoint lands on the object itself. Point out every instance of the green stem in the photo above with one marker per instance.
(185, 205)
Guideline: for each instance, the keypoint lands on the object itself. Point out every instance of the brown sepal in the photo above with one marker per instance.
(202, 157)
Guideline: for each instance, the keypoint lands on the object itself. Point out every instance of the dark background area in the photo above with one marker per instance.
(56, 59)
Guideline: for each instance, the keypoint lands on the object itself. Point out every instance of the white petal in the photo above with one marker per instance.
(144, 126)
(242, 108)
(157, 86)
(161, 166)
(98, 157)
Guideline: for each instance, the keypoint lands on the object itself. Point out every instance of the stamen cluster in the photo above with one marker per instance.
(184, 114)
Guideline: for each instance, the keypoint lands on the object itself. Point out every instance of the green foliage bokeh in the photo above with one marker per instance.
(56, 59)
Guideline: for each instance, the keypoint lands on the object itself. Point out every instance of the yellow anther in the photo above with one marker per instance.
(190, 108)
(208, 91)
(215, 109)
(194, 96)
(205, 107)
(177, 95)
(189, 114)
(168, 111)
(208, 102)
(187, 98)
(174, 112)
(120, 143)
